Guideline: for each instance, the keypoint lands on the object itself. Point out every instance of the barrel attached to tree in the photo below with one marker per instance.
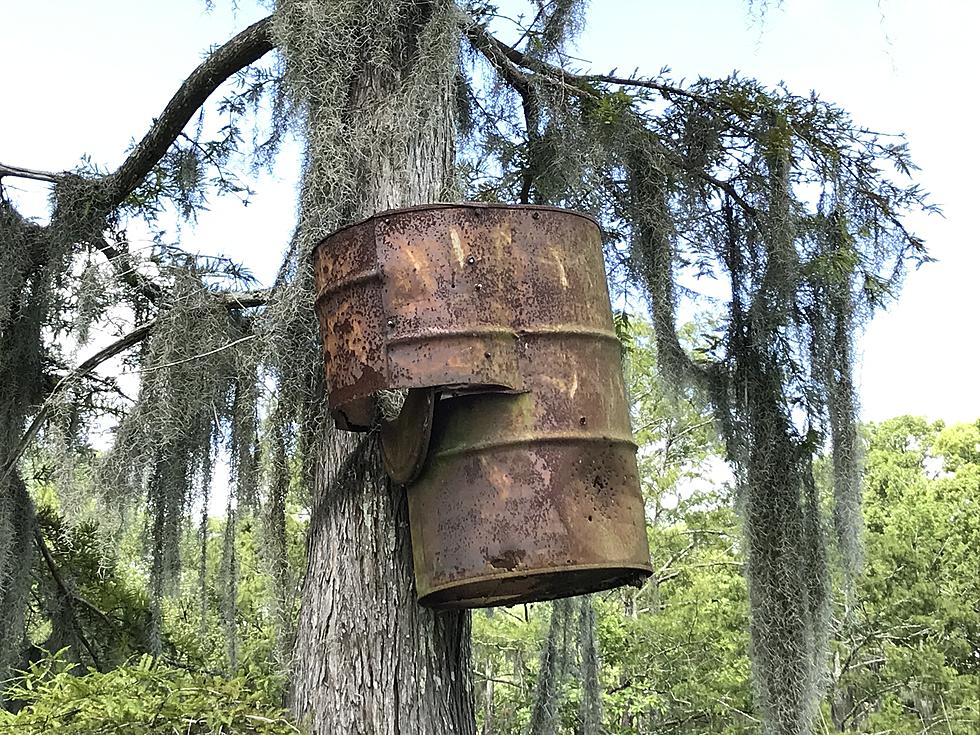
(514, 443)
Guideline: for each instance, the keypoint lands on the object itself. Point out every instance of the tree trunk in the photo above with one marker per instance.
(368, 660)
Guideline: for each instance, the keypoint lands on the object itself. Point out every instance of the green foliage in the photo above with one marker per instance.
(86, 602)
(89, 595)
(142, 698)
(958, 446)
(907, 655)
(90, 605)
(234, 628)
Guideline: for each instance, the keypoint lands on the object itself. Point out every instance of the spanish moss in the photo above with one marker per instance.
(197, 376)
(554, 667)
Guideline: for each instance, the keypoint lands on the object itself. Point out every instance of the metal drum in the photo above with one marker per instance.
(515, 443)
(536, 495)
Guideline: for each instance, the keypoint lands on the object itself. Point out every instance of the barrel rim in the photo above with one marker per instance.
(456, 205)
(642, 571)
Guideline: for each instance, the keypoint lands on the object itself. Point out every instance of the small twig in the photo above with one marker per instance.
(216, 350)
(949, 727)
(674, 558)
(746, 715)
(505, 611)
(664, 89)
(483, 676)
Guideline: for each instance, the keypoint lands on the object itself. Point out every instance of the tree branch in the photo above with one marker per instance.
(27, 173)
(495, 50)
(244, 299)
(118, 260)
(120, 345)
(510, 63)
(661, 574)
(242, 50)
(68, 596)
(516, 685)
(228, 299)
(246, 48)
(153, 291)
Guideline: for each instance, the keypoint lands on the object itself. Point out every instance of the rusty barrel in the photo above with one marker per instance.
(525, 483)
(535, 495)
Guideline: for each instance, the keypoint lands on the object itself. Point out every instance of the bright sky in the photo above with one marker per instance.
(87, 78)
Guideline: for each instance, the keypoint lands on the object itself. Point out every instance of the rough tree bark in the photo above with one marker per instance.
(368, 660)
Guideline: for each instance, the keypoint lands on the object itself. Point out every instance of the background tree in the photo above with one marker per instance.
(907, 655)
(783, 198)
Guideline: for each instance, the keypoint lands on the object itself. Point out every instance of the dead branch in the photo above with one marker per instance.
(27, 173)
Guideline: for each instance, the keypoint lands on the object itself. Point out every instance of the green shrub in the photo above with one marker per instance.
(142, 697)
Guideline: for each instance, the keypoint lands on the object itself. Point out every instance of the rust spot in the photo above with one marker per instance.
(509, 560)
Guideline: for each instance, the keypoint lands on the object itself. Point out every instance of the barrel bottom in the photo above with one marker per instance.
(501, 590)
